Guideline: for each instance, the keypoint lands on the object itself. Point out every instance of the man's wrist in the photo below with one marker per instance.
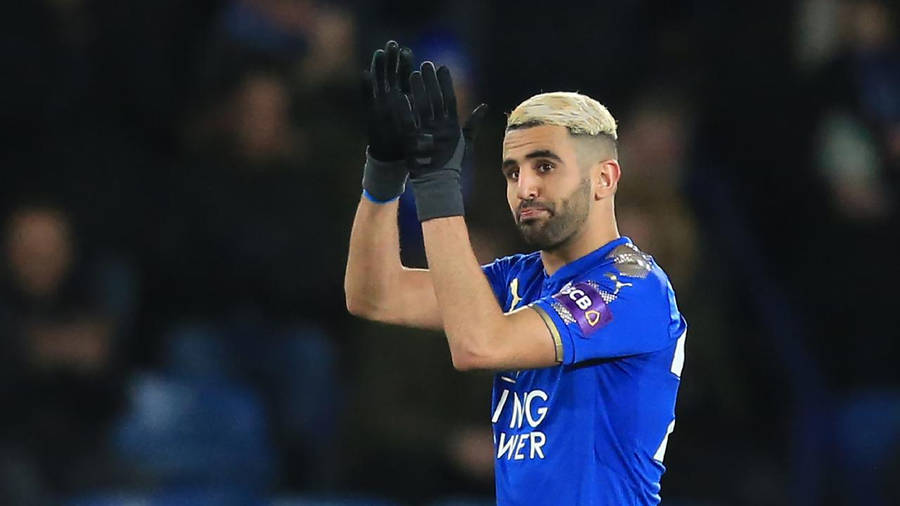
(439, 191)
(438, 195)
(373, 199)
(383, 181)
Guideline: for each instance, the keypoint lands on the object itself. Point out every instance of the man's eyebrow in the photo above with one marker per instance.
(543, 153)
(540, 153)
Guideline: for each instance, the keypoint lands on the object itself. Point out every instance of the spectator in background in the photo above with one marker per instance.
(244, 224)
(855, 161)
(248, 259)
(61, 317)
(315, 39)
(261, 125)
(247, 245)
(258, 181)
(858, 141)
(654, 211)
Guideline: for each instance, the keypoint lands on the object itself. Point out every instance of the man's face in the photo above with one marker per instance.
(549, 194)
(39, 250)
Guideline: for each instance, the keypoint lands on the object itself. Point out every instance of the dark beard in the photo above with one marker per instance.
(560, 227)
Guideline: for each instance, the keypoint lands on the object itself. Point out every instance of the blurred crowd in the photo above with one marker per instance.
(179, 180)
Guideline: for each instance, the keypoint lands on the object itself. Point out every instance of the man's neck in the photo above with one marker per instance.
(591, 237)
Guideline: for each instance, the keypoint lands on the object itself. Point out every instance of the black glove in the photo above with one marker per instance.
(438, 150)
(384, 89)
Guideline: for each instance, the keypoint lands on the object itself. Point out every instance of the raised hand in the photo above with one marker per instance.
(438, 149)
(385, 86)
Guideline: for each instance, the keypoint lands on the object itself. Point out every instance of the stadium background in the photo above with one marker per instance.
(178, 183)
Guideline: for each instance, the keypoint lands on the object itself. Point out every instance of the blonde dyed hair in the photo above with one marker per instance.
(580, 114)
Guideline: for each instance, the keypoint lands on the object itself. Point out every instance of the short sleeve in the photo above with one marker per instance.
(603, 316)
(496, 273)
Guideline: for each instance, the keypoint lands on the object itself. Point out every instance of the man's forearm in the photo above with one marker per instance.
(373, 262)
(468, 306)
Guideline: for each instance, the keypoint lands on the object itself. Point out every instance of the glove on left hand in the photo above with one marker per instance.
(438, 149)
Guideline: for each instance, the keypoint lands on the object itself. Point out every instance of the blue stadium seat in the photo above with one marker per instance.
(110, 499)
(197, 351)
(179, 497)
(207, 497)
(291, 366)
(463, 501)
(196, 432)
(867, 439)
(332, 500)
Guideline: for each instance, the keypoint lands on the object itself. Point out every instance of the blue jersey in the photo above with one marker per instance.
(592, 430)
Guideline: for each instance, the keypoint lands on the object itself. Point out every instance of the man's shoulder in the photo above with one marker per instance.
(521, 257)
(626, 267)
(502, 271)
(518, 262)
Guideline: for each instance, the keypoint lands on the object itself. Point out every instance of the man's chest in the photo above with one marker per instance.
(523, 412)
(526, 287)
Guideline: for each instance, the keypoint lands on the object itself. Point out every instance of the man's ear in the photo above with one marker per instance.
(605, 176)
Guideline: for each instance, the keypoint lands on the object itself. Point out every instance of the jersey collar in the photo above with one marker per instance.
(586, 262)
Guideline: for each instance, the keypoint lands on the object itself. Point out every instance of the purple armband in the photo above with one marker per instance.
(586, 307)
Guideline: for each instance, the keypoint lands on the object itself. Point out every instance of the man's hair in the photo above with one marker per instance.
(580, 114)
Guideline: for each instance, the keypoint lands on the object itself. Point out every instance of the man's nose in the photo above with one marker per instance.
(528, 186)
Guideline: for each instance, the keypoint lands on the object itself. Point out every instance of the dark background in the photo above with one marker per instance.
(178, 184)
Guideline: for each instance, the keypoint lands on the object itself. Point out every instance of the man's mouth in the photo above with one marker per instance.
(530, 213)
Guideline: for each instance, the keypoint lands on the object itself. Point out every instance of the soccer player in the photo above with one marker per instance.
(584, 333)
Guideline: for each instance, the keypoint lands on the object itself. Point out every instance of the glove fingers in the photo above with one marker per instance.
(374, 61)
(404, 68)
(433, 88)
(418, 144)
(470, 130)
(420, 99)
(447, 92)
(377, 70)
(392, 53)
(405, 115)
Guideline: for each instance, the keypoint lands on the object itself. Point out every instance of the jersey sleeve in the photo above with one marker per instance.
(496, 273)
(606, 316)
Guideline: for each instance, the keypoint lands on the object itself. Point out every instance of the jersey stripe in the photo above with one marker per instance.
(557, 340)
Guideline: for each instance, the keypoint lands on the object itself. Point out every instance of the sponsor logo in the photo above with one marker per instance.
(615, 279)
(593, 317)
(586, 305)
(514, 291)
(520, 439)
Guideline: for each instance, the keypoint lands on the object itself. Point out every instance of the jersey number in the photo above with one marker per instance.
(677, 366)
